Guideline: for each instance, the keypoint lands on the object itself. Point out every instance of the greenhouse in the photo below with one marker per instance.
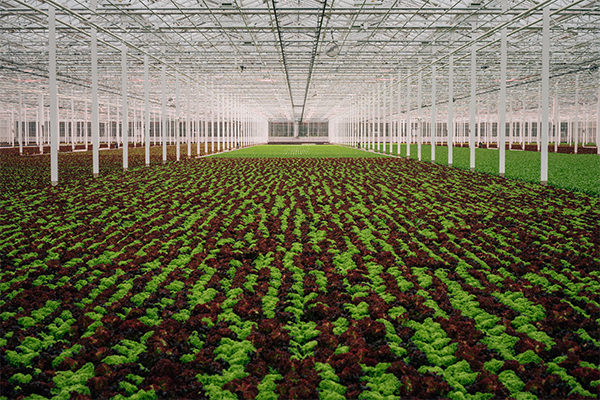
(285, 199)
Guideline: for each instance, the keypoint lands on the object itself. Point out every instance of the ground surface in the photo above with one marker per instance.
(299, 151)
(364, 278)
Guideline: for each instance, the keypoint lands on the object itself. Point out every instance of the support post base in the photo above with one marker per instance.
(96, 175)
(544, 183)
(54, 183)
(472, 169)
(164, 161)
(124, 169)
(147, 165)
(450, 165)
(502, 175)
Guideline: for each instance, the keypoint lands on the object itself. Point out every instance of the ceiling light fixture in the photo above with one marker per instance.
(333, 49)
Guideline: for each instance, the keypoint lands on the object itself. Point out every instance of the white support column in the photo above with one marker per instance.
(218, 123)
(371, 123)
(20, 126)
(569, 132)
(53, 96)
(365, 124)
(163, 83)
(108, 130)
(12, 127)
(198, 120)
(95, 121)
(419, 114)
(212, 118)
(378, 118)
(408, 121)
(539, 121)
(72, 124)
(134, 124)
(125, 123)
(146, 111)
(391, 117)
(26, 127)
(188, 127)
(502, 100)
(37, 127)
(221, 119)
(86, 131)
(433, 111)
(385, 122)
(489, 125)
(511, 124)
(450, 109)
(205, 117)
(118, 132)
(234, 136)
(239, 121)
(472, 126)
(371, 135)
(356, 128)
(556, 118)
(399, 110)
(522, 127)
(177, 117)
(545, 93)
(576, 124)
(41, 123)
(230, 123)
(598, 117)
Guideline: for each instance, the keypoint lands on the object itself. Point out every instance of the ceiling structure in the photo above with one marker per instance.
(299, 59)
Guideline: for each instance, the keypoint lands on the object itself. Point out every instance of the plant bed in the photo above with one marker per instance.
(22, 173)
(299, 278)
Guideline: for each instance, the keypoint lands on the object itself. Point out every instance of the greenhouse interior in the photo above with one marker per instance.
(299, 199)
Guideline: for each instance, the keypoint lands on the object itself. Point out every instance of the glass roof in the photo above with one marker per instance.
(299, 59)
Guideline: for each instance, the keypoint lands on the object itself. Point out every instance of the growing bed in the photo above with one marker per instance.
(290, 277)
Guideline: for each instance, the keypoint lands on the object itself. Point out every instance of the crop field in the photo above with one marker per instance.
(576, 172)
(304, 277)
(22, 173)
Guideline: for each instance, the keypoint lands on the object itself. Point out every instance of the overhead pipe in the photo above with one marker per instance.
(313, 57)
(285, 68)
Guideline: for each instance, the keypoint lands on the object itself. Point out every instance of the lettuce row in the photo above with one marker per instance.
(382, 386)
(301, 333)
(576, 388)
(431, 339)
(266, 387)
(528, 313)
(236, 353)
(72, 381)
(496, 338)
(39, 315)
(105, 283)
(329, 387)
(425, 279)
(270, 300)
(393, 339)
(30, 348)
(129, 350)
